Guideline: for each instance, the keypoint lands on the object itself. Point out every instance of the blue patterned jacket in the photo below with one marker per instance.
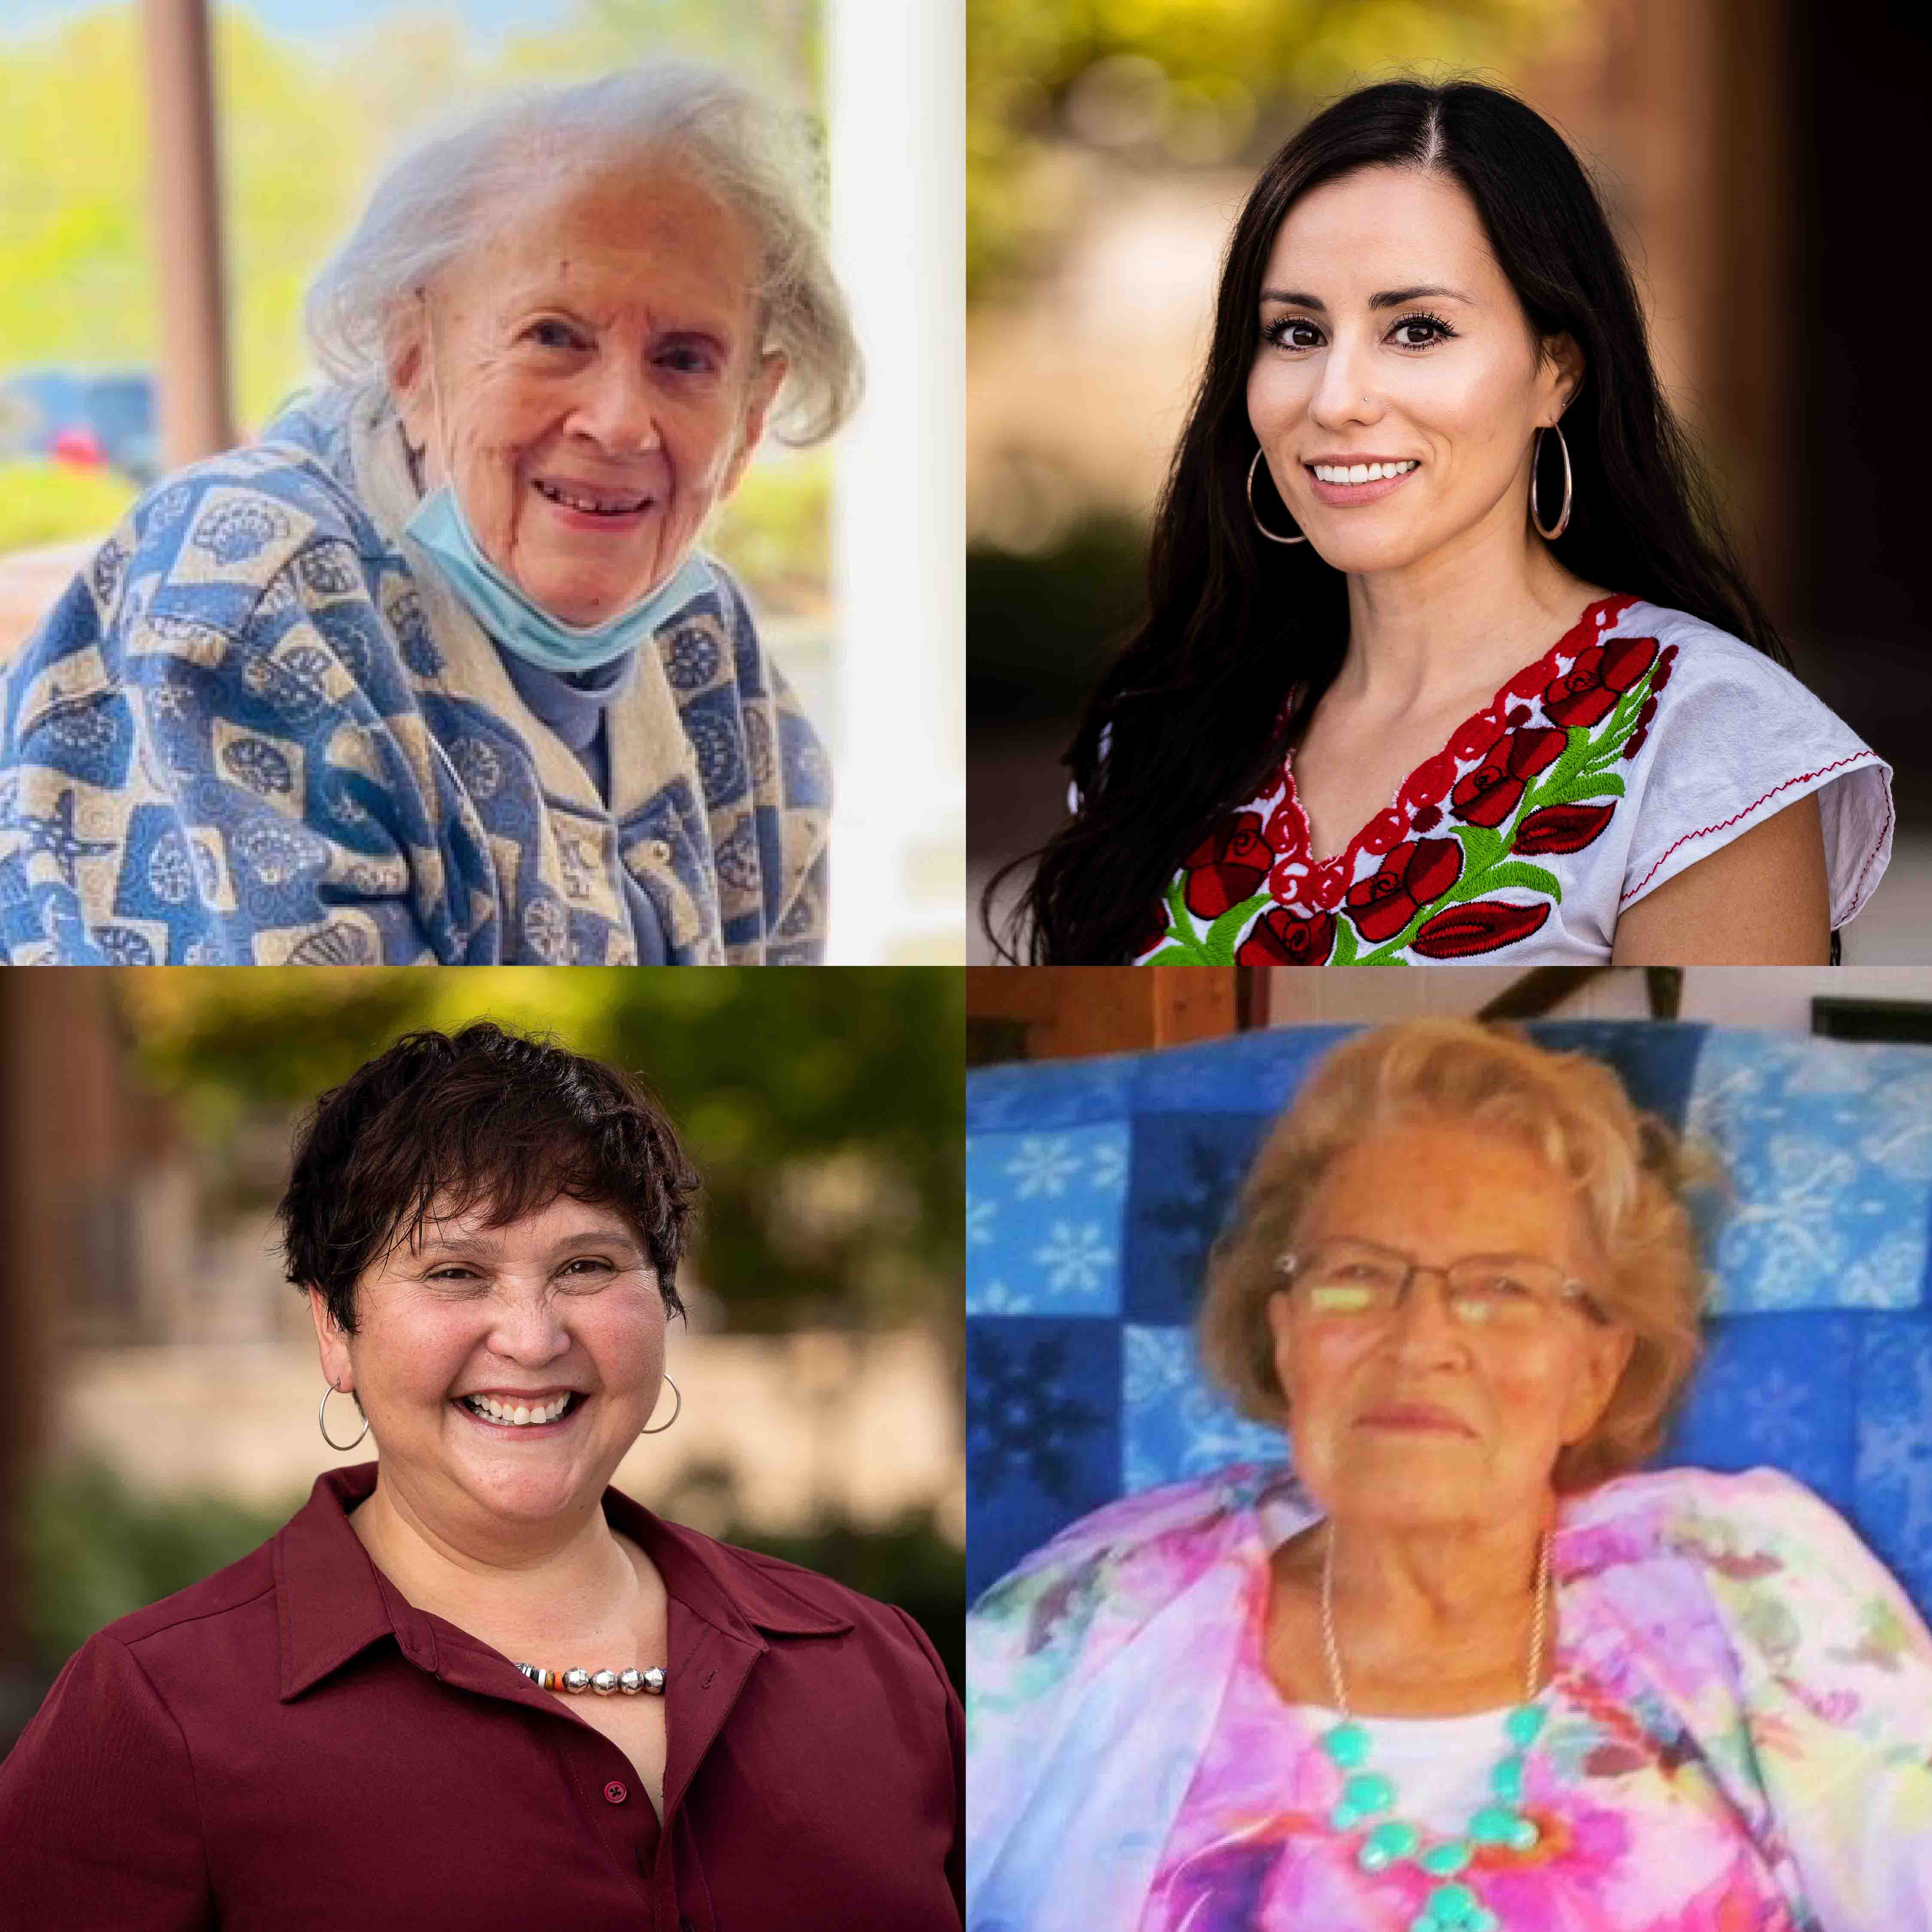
(256, 729)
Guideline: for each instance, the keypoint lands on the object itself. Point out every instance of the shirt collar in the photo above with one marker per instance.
(331, 1602)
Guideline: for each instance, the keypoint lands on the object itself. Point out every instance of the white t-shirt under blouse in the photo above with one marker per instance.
(1643, 740)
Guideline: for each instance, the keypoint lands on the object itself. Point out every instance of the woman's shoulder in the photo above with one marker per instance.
(1701, 662)
(1145, 1547)
(1728, 738)
(1744, 1528)
(782, 1598)
(193, 1624)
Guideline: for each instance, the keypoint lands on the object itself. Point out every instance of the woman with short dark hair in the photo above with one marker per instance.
(471, 1682)
(1446, 656)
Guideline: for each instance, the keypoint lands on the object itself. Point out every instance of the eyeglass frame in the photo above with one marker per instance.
(1571, 1293)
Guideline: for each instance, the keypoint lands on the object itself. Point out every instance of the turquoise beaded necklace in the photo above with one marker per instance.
(1451, 1907)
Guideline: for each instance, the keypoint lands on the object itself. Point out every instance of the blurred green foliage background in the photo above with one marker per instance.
(301, 136)
(1183, 83)
(824, 1110)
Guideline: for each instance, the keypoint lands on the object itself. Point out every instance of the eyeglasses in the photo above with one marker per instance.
(1346, 1282)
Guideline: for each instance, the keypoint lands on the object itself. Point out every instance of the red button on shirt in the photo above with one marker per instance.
(614, 1793)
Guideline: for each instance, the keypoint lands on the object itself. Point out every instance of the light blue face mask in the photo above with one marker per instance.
(517, 623)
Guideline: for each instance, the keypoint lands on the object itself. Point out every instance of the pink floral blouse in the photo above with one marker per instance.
(1738, 1732)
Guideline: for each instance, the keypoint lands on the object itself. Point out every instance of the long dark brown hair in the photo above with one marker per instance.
(1190, 715)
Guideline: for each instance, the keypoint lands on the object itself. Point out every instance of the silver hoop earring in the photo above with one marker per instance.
(677, 1404)
(1271, 534)
(322, 1423)
(1535, 457)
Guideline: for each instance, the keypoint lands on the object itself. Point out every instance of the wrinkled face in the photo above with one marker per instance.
(556, 1316)
(590, 376)
(1416, 1419)
(1390, 335)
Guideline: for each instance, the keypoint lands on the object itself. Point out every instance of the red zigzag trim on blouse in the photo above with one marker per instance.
(1725, 824)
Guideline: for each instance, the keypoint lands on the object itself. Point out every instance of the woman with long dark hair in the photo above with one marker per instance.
(1446, 656)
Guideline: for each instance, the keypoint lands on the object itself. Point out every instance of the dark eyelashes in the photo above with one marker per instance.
(1276, 331)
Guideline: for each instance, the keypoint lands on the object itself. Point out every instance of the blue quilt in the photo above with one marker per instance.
(1094, 1187)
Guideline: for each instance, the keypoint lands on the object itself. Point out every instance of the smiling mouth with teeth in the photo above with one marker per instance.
(519, 1415)
(1360, 472)
(599, 504)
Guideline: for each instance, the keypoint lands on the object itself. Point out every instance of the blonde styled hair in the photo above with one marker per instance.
(1630, 1171)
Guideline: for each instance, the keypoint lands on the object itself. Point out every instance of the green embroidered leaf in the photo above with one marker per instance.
(1217, 943)
(1344, 954)
(1481, 846)
(1592, 784)
(1520, 872)
(1176, 956)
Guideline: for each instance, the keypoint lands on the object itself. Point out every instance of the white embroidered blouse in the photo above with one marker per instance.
(1643, 740)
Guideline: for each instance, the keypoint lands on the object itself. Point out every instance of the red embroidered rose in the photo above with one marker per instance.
(1483, 925)
(1562, 828)
(1426, 819)
(1280, 938)
(1490, 793)
(1418, 871)
(1228, 866)
(1587, 693)
(1154, 929)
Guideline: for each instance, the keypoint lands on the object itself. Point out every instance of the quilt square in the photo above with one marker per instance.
(1829, 1147)
(1187, 1169)
(1174, 1423)
(1778, 1390)
(1894, 1452)
(1043, 1432)
(1043, 1218)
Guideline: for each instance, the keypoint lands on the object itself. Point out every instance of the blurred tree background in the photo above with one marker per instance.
(1071, 107)
(301, 133)
(824, 1112)
(1054, 86)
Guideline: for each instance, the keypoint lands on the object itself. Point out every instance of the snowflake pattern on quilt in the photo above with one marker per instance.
(1094, 1189)
(236, 739)
(1044, 1221)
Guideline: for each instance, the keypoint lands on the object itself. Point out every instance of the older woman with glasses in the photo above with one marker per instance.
(1465, 1668)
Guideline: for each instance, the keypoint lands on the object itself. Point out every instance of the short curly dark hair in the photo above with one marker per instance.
(485, 1117)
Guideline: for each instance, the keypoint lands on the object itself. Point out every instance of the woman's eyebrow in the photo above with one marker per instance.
(1383, 299)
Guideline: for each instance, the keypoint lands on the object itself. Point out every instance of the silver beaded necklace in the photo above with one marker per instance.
(1451, 1906)
(603, 1682)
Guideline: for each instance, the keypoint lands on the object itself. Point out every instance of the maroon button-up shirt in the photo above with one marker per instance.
(290, 1745)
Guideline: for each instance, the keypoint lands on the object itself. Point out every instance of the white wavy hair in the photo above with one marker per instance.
(432, 202)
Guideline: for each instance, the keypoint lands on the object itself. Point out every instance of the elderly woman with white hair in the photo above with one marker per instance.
(436, 672)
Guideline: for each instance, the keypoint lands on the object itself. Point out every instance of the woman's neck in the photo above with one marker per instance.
(1429, 1618)
(1458, 621)
(500, 1581)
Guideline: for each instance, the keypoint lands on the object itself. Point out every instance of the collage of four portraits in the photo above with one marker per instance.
(966, 500)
